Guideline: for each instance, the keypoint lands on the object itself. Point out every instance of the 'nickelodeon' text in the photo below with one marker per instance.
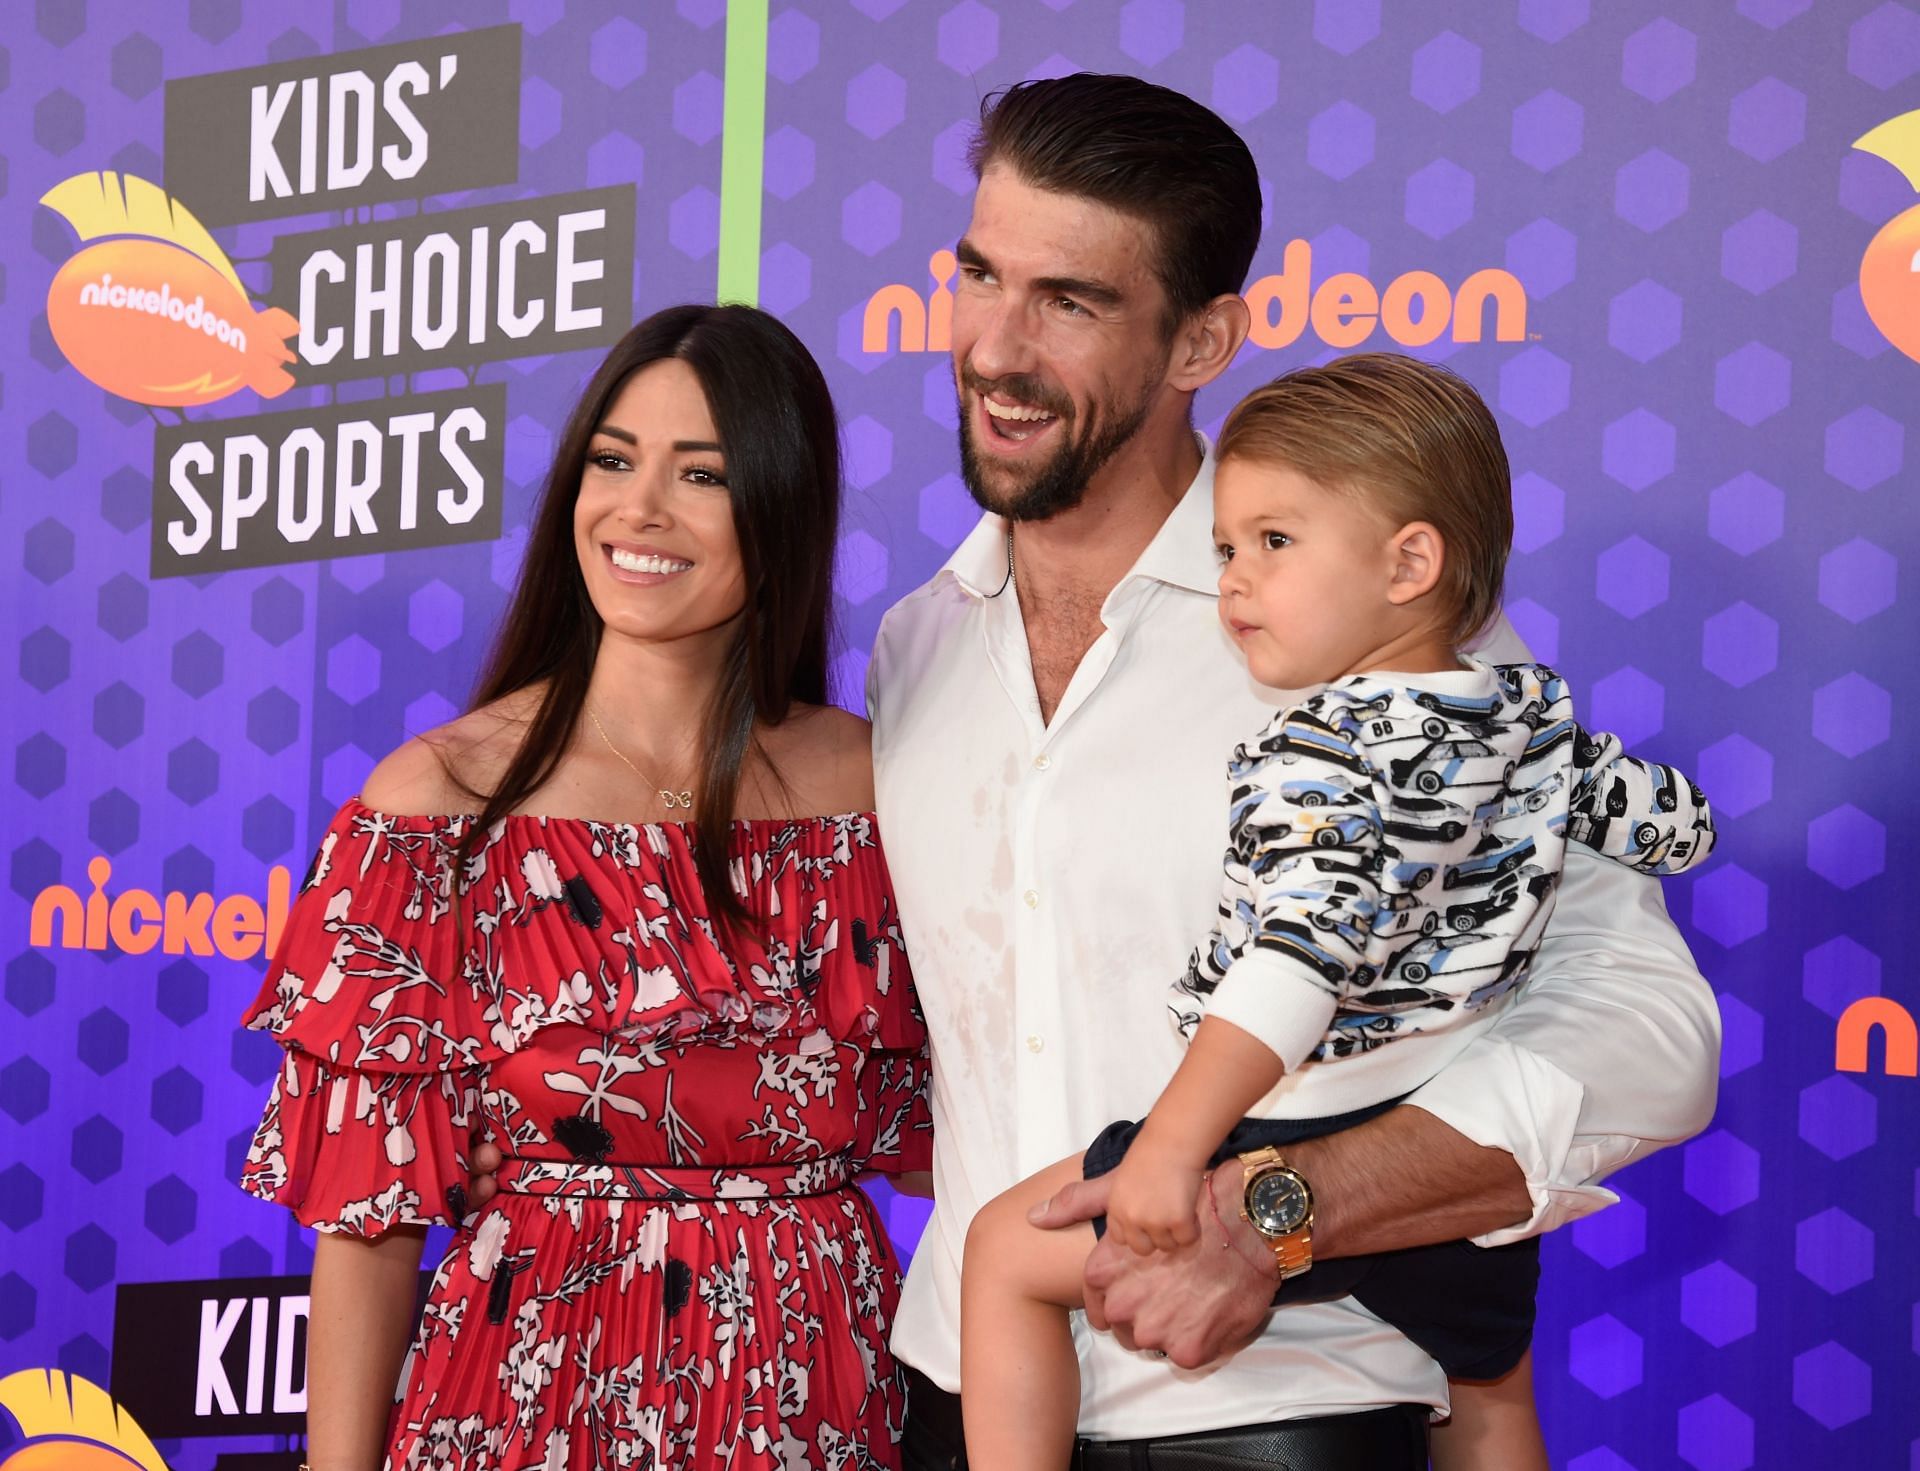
(135, 921)
(163, 303)
(1343, 310)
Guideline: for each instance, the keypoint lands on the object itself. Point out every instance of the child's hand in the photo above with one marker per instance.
(1152, 1204)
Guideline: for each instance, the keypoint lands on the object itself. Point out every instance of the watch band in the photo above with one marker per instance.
(1293, 1253)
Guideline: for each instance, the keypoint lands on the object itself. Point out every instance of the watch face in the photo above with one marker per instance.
(1278, 1203)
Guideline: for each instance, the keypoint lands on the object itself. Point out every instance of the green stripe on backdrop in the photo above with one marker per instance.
(742, 151)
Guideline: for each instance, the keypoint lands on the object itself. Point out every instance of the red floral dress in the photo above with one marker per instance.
(678, 1270)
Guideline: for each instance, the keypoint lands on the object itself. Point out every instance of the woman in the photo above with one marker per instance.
(686, 1035)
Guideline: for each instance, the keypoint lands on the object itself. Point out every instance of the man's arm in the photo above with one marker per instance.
(1403, 1179)
(1611, 1052)
(1200, 1302)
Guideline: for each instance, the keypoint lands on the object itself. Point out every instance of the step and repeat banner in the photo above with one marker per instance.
(294, 297)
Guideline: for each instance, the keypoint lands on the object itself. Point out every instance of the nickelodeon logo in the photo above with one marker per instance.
(1890, 269)
(152, 309)
(1343, 310)
(135, 921)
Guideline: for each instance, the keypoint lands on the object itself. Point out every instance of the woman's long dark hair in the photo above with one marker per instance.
(775, 418)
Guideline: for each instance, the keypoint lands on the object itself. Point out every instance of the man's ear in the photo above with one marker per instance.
(1205, 343)
(1417, 555)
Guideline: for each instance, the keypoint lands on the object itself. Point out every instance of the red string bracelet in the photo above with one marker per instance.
(1226, 1236)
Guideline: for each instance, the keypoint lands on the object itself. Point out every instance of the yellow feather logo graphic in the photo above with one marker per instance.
(122, 204)
(72, 1424)
(1897, 141)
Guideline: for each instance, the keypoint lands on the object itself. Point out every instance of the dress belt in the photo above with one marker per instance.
(618, 1181)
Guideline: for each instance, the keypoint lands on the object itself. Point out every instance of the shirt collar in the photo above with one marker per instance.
(1180, 554)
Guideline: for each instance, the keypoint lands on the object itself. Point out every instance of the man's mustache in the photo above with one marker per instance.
(1022, 388)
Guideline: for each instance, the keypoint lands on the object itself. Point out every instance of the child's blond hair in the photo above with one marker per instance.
(1414, 441)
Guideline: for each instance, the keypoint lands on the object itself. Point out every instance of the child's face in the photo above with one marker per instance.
(1303, 577)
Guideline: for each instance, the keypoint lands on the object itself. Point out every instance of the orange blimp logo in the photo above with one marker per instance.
(1890, 270)
(152, 309)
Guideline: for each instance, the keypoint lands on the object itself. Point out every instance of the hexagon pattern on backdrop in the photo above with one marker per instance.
(1708, 440)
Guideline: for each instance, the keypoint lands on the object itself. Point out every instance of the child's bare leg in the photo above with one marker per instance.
(1019, 1377)
(1494, 1426)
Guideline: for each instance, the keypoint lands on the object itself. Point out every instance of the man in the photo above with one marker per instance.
(1052, 714)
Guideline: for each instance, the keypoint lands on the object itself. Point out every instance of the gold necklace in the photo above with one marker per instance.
(668, 799)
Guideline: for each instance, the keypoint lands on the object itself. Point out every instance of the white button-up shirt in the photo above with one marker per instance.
(1052, 879)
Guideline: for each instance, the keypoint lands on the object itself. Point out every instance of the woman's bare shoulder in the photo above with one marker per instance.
(832, 729)
(439, 772)
(825, 756)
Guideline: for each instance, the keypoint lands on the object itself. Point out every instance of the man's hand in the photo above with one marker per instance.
(483, 1159)
(1194, 1304)
(1150, 1203)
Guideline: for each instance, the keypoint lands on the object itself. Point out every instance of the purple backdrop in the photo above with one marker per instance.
(1708, 439)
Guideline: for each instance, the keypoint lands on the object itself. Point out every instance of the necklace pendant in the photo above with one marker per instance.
(671, 800)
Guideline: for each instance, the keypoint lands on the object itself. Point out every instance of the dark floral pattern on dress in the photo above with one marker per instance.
(677, 1270)
(589, 1140)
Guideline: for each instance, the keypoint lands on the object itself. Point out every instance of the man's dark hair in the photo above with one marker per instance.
(1146, 151)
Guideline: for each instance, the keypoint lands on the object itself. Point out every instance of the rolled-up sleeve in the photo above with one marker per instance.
(1611, 1052)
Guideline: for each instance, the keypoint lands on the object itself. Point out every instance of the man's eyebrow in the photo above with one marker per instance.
(1097, 292)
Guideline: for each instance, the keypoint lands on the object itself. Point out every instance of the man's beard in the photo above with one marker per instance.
(1060, 483)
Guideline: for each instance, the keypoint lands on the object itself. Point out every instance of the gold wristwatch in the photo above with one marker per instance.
(1276, 1201)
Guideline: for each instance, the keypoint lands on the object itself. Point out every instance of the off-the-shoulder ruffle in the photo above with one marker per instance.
(387, 964)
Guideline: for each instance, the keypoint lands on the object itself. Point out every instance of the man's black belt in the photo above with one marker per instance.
(1390, 1439)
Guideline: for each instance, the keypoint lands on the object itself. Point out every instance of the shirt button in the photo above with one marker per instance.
(1032, 899)
(1042, 761)
(1036, 1042)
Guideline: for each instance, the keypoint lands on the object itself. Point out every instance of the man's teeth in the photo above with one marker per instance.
(1018, 411)
(630, 562)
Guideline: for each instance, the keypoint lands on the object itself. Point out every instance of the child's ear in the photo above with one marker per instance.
(1417, 555)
